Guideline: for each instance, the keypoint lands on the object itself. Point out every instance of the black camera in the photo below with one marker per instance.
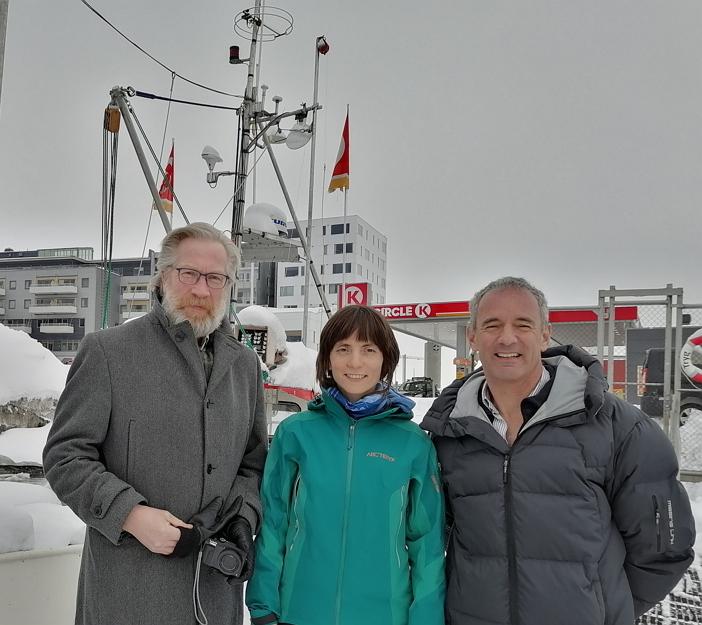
(222, 555)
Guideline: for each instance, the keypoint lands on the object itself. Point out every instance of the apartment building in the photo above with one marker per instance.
(352, 252)
(56, 296)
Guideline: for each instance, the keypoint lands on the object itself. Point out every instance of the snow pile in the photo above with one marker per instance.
(34, 518)
(298, 370)
(27, 369)
(24, 445)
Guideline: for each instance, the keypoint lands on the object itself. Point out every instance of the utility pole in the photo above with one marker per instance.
(4, 7)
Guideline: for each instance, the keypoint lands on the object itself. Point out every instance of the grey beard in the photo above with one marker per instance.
(201, 327)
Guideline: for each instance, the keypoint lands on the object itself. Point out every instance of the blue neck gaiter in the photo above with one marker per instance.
(378, 401)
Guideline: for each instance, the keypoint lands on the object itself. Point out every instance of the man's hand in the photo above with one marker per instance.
(156, 529)
(239, 532)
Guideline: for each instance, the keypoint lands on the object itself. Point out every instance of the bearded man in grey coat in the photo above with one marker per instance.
(162, 418)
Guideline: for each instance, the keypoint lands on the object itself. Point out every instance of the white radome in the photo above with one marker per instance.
(266, 218)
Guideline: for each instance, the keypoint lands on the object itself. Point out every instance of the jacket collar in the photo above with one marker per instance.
(226, 348)
(577, 394)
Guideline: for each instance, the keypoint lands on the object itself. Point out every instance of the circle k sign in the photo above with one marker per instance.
(422, 311)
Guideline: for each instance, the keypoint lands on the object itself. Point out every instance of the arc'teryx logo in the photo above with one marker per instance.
(381, 455)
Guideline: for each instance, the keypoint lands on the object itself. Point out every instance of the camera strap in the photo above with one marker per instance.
(197, 606)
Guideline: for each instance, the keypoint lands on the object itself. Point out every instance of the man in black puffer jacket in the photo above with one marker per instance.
(563, 500)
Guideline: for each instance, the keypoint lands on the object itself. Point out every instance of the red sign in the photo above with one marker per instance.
(356, 293)
(432, 310)
(443, 310)
(583, 315)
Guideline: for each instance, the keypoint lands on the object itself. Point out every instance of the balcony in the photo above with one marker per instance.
(47, 289)
(56, 328)
(136, 296)
(54, 309)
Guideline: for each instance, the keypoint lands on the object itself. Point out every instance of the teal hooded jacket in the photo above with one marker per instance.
(353, 523)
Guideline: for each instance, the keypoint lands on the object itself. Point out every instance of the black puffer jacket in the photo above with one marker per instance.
(582, 521)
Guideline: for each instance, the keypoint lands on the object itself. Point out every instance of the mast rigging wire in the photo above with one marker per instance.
(153, 58)
(152, 96)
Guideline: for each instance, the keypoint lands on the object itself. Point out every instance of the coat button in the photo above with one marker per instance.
(97, 510)
(210, 468)
(180, 336)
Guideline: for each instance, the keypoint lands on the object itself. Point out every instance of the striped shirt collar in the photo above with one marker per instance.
(497, 420)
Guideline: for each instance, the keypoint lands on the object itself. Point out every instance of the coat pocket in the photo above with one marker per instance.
(131, 450)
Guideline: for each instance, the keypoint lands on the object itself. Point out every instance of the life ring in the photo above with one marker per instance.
(692, 345)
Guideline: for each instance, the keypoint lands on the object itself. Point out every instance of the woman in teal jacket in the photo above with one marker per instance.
(353, 518)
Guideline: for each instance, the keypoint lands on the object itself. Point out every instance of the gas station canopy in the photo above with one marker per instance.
(444, 322)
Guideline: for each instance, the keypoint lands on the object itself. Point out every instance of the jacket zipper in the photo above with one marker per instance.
(344, 528)
(296, 488)
(657, 510)
(399, 526)
(511, 549)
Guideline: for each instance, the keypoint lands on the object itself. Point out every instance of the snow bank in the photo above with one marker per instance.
(298, 370)
(27, 368)
(24, 444)
(34, 518)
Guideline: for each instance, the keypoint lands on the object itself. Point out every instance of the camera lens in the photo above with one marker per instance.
(230, 562)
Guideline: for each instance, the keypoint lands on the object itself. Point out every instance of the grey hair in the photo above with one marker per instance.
(197, 230)
(509, 282)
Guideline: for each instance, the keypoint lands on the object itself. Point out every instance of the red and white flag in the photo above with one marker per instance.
(167, 186)
(340, 175)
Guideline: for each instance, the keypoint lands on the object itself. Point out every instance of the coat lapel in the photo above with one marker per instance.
(226, 351)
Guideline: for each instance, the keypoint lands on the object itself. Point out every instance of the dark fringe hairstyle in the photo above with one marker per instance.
(367, 325)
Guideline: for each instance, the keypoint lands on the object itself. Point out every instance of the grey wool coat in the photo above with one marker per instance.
(139, 423)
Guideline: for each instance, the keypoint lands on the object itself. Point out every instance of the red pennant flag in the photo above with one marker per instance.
(340, 175)
(167, 186)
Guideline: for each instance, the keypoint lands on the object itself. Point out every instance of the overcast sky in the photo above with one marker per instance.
(560, 141)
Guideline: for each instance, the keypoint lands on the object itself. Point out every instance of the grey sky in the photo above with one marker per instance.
(561, 141)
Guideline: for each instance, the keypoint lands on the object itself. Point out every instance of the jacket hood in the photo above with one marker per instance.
(578, 387)
(324, 401)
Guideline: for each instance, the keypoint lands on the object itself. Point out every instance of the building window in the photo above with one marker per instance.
(81, 323)
(324, 230)
(326, 250)
(293, 233)
(11, 303)
(339, 248)
(348, 268)
(333, 289)
(83, 302)
(286, 291)
(302, 290)
(13, 285)
(291, 271)
(339, 229)
(360, 229)
(321, 269)
(85, 282)
(27, 303)
(27, 284)
(359, 270)
(367, 254)
(338, 268)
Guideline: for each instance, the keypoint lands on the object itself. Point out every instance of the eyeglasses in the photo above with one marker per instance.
(192, 276)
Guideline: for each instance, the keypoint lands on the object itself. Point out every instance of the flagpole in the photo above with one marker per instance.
(310, 202)
(343, 273)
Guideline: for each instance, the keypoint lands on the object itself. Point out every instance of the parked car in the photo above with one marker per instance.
(419, 387)
(652, 385)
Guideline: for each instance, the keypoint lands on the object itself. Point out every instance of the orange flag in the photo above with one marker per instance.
(340, 175)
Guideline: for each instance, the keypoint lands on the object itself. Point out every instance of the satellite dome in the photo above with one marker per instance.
(266, 218)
